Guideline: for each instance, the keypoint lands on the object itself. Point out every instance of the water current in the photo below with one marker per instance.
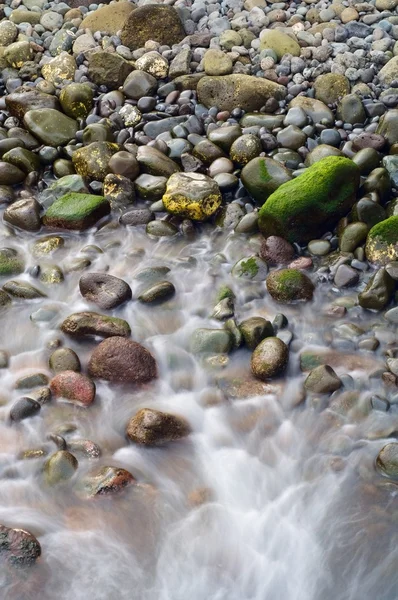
(270, 498)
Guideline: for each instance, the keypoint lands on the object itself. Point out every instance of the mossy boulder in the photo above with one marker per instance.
(305, 207)
(382, 242)
(76, 211)
(76, 100)
(83, 324)
(262, 176)
(289, 285)
(192, 196)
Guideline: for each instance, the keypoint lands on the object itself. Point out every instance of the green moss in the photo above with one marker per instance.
(265, 176)
(74, 206)
(249, 266)
(289, 285)
(305, 207)
(224, 292)
(387, 230)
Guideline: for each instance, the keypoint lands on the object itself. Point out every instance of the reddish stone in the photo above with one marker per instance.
(276, 251)
(18, 547)
(121, 360)
(75, 387)
(303, 262)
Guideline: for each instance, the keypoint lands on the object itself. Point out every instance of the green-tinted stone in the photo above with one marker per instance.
(63, 167)
(10, 262)
(289, 285)
(254, 330)
(27, 98)
(211, 341)
(76, 100)
(76, 211)
(378, 292)
(161, 229)
(320, 152)
(93, 160)
(50, 126)
(245, 148)
(69, 183)
(61, 466)
(51, 275)
(225, 136)
(262, 176)
(157, 292)
(22, 158)
(382, 242)
(97, 132)
(352, 236)
(91, 323)
(252, 267)
(22, 289)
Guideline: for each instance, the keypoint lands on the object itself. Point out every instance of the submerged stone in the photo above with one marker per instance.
(87, 323)
(152, 427)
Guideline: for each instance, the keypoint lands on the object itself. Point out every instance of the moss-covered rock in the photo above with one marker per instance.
(289, 285)
(279, 42)
(331, 87)
(262, 176)
(76, 211)
(83, 324)
(192, 196)
(305, 207)
(382, 242)
(10, 262)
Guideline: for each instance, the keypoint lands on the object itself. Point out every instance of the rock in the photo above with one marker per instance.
(10, 175)
(378, 292)
(18, 547)
(27, 98)
(224, 136)
(160, 23)
(76, 211)
(388, 126)
(22, 289)
(161, 229)
(322, 380)
(315, 109)
(320, 152)
(8, 33)
(23, 409)
(123, 361)
(286, 211)
(352, 236)
(180, 65)
(279, 42)
(118, 190)
(237, 91)
(152, 427)
(216, 62)
(345, 276)
(137, 216)
(154, 64)
(251, 267)
(50, 126)
(5, 299)
(87, 323)
(77, 100)
(367, 159)
(59, 68)
(351, 110)
(92, 161)
(69, 183)
(23, 159)
(61, 466)
(276, 251)
(74, 387)
(289, 285)
(269, 358)
(382, 242)
(139, 84)
(109, 19)
(106, 291)
(105, 68)
(10, 262)
(331, 87)
(18, 53)
(254, 330)
(157, 292)
(155, 163)
(387, 460)
(47, 245)
(192, 196)
(105, 480)
(31, 381)
(244, 149)
(64, 359)
(85, 448)
(389, 72)
(211, 341)
(24, 214)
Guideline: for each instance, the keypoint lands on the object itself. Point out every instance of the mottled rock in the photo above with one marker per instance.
(87, 323)
(269, 358)
(152, 427)
(121, 360)
(192, 195)
(106, 291)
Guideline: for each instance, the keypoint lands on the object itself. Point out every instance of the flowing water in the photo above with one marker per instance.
(267, 499)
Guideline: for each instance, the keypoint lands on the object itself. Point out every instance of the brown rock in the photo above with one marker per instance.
(160, 23)
(151, 427)
(276, 250)
(18, 547)
(120, 360)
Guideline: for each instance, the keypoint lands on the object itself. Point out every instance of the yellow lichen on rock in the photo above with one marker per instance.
(192, 195)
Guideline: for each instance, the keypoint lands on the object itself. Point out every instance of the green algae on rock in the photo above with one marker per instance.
(289, 285)
(76, 211)
(76, 100)
(305, 207)
(382, 242)
(10, 262)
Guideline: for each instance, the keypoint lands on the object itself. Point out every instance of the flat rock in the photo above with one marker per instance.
(87, 323)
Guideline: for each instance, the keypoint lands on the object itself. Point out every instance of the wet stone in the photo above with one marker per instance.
(31, 381)
(105, 480)
(252, 268)
(254, 330)
(137, 216)
(269, 358)
(19, 548)
(322, 380)
(60, 467)
(152, 427)
(346, 276)
(22, 289)
(387, 460)
(23, 409)
(73, 387)
(275, 250)
(289, 285)
(24, 214)
(91, 323)
(106, 291)
(64, 359)
(211, 341)
(378, 291)
(120, 360)
(157, 293)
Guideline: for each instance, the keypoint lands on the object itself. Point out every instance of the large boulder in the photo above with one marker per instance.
(151, 427)
(76, 211)
(157, 22)
(192, 196)
(305, 207)
(120, 360)
(382, 242)
(238, 91)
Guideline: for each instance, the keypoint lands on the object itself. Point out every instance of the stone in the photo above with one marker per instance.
(50, 126)
(351, 110)
(382, 242)
(322, 380)
(345, 276)
(224, 136)
(331, 87)
(76, 211)
(289, 285)
(279, 42)
(24, 214)
(180, 65)
(74, 387)
(109, 19)
(276, 251)
(106, 291)
(137, 216)
(60, 187)
(31, 381)
(109, 69)
(387, 460)
(18, 53)
(76, 100)
(151, 427)
(64, 359)
(252, 268)
(19, 548)
(23, 409)
(157, 292)
(154, 64)
(211, 341)
(261, 176)
(22, 289)
(378, 292)
(82, 324)
(216, 62)
(286, 211)
(389, 72)
(10, 262)
(122, 361)
(315, 109)
(269, 358)
(154, 162)
(160, 23)
(192, 196)
(352, 236)
(388, 126)
(105, 480)
(244, 149)
(10, 175)
(59, 68)
(92, 161)
(139, 84)
(254, 330)
(61, 466)
(8, 33)
(23, 159)
(237, 91)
